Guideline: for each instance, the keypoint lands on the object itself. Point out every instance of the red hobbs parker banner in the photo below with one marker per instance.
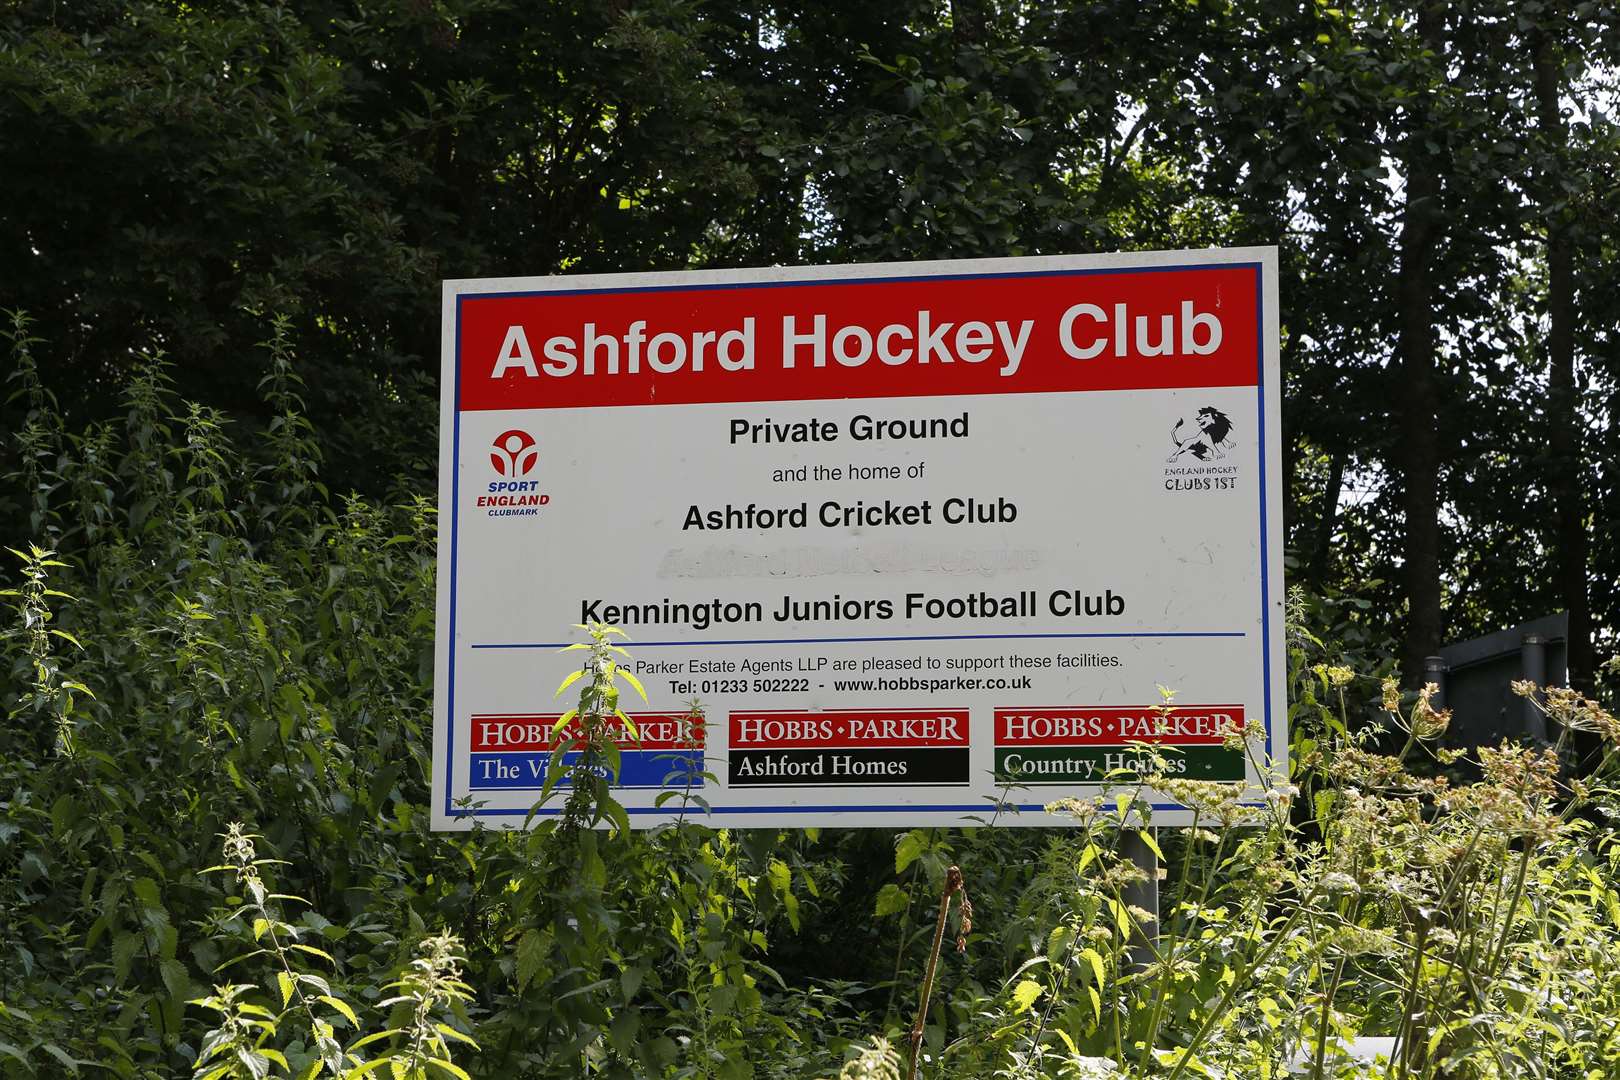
(920, 538)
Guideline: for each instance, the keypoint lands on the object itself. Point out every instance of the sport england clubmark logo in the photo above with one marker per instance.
(1198, 462)
(513, 454)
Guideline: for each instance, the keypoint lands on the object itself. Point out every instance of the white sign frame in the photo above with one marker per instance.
(535, 664)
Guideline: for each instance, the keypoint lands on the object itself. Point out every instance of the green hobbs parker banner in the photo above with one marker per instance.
(920, 536)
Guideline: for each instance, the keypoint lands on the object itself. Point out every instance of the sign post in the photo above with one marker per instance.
(917, 535)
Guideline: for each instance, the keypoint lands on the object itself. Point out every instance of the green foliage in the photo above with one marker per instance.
(277, 1030)
(211, 640)
(201, 630)
(181, 172)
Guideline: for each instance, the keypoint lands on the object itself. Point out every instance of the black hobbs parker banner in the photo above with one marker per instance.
(919, 536)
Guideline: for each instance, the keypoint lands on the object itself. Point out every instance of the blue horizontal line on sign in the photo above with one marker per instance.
(882, 809)
(857, 640)
(907, 279)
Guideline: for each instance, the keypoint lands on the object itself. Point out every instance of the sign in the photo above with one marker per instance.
(919, 536)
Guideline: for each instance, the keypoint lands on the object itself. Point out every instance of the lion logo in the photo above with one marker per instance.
(1208, 440)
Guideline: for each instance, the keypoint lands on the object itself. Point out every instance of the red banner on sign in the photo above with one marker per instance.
(901, 337)
(849, 729)
(1184, 725)
(492, 733)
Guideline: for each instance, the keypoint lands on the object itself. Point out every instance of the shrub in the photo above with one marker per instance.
(203, 643)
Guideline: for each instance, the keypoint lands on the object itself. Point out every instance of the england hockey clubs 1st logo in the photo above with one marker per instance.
(513, 455)
(1198, 460)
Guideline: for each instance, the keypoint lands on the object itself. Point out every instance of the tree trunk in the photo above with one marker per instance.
(1565, 472)
(1330, 521)
(1418, 447)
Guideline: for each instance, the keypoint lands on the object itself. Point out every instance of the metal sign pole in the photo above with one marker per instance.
(1142, 894)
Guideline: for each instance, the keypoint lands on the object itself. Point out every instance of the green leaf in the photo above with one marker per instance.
(530, 956)
(910, 847)
(1025, 994)
(630, 981)
(573, 677)
(376, 1036)
(124, 948)
(175, 979)
(63, 1056)
(891, 899)
(342, 1008)
(313, 951)
(1098, 968)
(285, 981)
(617, 814)
(633, 681)
(1087, 856)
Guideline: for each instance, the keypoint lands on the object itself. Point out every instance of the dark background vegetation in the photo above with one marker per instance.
(1440, 179)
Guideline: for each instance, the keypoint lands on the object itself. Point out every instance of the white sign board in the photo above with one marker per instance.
(919, 536)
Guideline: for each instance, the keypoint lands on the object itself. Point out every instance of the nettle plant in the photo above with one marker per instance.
(290, 1024)
(1472, 929)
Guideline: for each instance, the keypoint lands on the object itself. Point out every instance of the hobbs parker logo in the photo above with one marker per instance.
(1198, 462)
(513, 454)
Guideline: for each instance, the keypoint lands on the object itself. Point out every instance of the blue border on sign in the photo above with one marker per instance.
(857, 640)
(886, 808)
(455, 564)
(913, 278)
(450, 808)
(1265, 552)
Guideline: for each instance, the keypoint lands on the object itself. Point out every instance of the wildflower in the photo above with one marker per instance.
(1337, 882)
(1364, 941)
(1281, 795)
(1572, 709)
(1442, 938)
(1210, 798)
(1532, 774)
(1120, 876)
(1364, 769)
(1335, 675)
(1392, 695)
(1082, 810)
(1267, 877)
